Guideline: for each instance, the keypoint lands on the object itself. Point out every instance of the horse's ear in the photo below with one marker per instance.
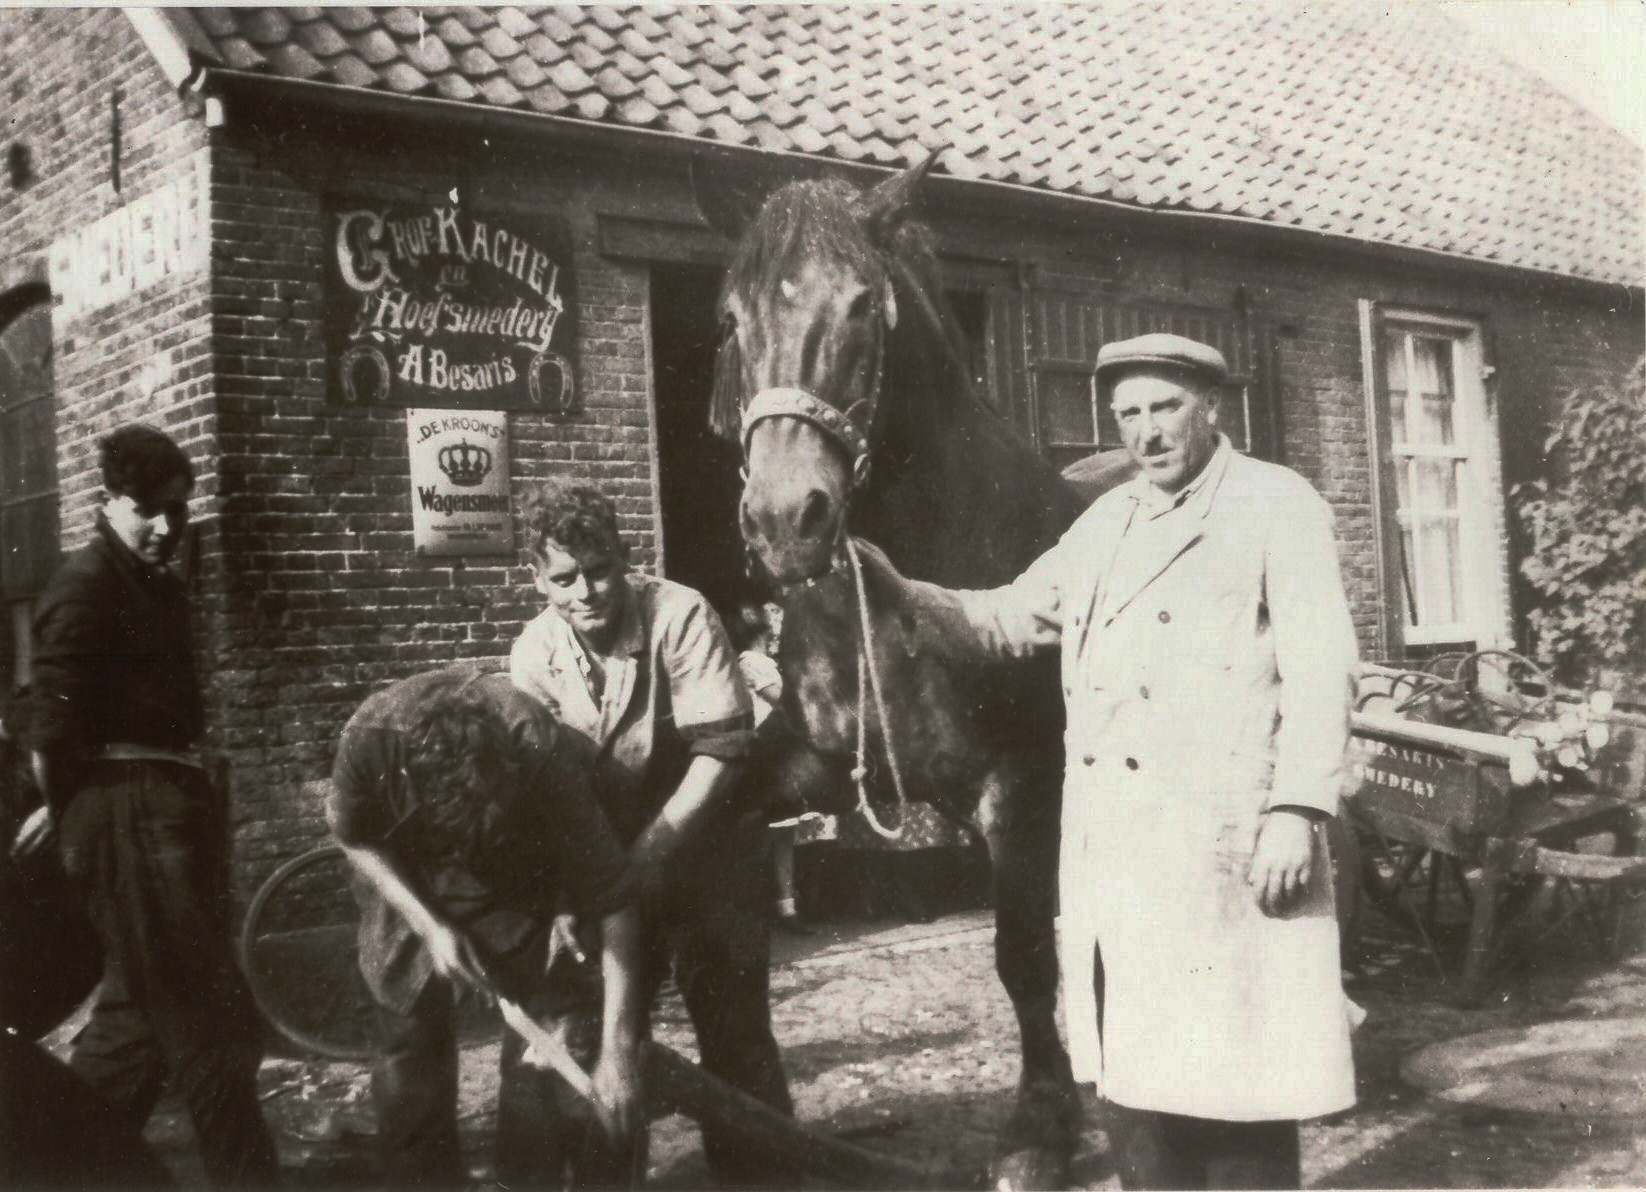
(887, 205)
(727, 197)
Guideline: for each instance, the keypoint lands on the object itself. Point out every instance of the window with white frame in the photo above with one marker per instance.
(1440, 503)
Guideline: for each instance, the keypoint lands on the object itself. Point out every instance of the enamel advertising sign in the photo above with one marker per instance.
(441, 305)
(460, 482)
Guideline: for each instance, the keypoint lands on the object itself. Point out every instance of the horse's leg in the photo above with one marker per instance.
(1020, 823)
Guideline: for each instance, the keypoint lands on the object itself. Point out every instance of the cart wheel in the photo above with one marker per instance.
(298, 948)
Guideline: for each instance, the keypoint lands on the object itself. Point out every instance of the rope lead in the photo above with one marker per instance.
(866, 663)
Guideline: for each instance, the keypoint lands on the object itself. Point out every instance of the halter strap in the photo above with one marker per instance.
(797, 403)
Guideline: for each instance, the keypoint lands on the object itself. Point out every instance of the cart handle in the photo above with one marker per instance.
(1519, 754)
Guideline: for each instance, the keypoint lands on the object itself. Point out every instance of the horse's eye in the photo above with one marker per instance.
(860, 307)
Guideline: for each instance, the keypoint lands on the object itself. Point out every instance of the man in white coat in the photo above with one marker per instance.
(1207, 659)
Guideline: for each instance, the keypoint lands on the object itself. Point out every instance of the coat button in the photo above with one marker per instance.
(1165, 617)
(1144, 691)
(1131, 763)
(1088, 760)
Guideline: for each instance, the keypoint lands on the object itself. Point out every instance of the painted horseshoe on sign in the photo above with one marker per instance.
(552, 386)
(367, 359)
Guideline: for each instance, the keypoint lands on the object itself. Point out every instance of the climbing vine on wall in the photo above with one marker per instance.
(1587, 526)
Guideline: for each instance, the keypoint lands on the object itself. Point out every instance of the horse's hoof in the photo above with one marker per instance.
(1031, 1171)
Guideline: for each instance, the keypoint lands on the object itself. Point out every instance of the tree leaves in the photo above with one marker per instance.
(1587, 531)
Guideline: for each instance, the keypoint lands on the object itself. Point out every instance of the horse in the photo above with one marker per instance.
(840, 374)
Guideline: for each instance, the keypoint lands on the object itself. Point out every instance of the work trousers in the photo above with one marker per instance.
(546, 1136)
(710, 929)
(145, 844)
(1152, 1149)
(1168, 1150)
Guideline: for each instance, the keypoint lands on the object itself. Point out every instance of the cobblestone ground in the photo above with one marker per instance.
(902, 1040)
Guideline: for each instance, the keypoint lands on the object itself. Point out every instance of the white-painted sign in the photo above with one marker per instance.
(460, 482)
(165, 233)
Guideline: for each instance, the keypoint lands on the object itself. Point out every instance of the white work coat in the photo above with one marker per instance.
(1214, 685)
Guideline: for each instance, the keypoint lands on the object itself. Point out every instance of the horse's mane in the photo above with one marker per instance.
(926, 381)
(802, 221)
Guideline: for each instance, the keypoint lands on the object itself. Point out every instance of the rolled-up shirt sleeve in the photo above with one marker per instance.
(710, 704)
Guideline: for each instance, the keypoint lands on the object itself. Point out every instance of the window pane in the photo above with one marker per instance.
(1065, 406)
(1438, 585)
(1433, 388)
(1394, 363)
(1436, 486)
(1426, 496)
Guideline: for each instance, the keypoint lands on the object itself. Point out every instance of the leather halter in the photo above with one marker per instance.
(837, 425)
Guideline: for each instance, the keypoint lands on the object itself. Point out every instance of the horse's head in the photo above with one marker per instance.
(806, 309)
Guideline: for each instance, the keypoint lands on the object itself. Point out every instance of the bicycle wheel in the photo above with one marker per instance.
(299, 951)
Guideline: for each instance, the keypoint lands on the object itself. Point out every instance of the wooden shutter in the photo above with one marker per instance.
(1070, 420)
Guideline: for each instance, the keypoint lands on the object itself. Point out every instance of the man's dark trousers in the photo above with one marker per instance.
(146, 844)
(713, 922)
(545, 1135)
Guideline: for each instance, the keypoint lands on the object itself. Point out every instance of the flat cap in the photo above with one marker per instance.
(1173, 351)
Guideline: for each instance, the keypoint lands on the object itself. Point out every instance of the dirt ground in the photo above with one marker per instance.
(899, 1037)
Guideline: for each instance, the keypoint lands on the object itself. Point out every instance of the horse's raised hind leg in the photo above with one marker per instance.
(1040, 1137)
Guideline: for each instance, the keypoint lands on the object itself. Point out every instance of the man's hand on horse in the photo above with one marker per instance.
(933, 618)
(1282, 860)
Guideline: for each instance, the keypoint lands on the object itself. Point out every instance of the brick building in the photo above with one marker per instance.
(237, 224)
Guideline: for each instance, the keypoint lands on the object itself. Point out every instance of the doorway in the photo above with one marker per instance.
(699, 484)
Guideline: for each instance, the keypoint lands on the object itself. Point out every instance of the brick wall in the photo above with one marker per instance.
(1541, 337)
(145, 357)
(326, 599)
(311, 594)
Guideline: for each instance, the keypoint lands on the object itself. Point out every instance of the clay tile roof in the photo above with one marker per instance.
(350, 20)
(454, 86)
(523, 71)
(402, 22)
(214, 22)
(502, 93)
(293, 61)
(405, 78)
(1383, 123)
(266, 26)
(476, 65)
(320, 37)
(499, 44)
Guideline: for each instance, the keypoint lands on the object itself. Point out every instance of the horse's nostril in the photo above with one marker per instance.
(814, 515)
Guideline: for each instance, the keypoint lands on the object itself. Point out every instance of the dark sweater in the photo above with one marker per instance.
(114, 655)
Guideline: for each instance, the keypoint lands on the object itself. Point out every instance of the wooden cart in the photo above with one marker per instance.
(1438, 821)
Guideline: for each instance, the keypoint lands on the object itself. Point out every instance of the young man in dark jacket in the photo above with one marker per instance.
(117, 715)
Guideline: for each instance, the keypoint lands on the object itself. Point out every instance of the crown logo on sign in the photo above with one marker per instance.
(464, 463)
